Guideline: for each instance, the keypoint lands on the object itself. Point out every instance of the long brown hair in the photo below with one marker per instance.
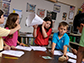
(12, 18)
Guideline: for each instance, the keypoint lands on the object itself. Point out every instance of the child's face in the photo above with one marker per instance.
(47, 25)
(17, 21)
(80, 28)
(62, 29)
(2, 20)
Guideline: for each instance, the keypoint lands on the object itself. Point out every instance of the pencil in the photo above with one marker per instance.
(10, 57)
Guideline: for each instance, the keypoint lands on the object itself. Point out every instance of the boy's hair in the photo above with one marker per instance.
(11, 22)
(1, 13)
(79, 18)
(63, 24)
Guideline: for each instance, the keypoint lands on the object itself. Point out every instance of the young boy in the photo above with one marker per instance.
(61, 39)
(79, 22)
(5, 32)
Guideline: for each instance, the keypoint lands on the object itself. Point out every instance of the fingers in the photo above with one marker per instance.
(7, 48)
(22, 44)
(66, 57)
(52, 52)
(35, 26)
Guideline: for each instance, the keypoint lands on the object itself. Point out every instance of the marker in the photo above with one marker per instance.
(10, 57)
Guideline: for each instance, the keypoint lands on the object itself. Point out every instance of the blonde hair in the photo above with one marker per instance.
(63, 24)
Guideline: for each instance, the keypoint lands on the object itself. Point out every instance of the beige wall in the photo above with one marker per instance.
(71, 2)
(76, 3)
(79, 3)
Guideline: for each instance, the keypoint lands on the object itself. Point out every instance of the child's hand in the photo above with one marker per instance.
(7, 47)
(74, 51)
(13, 47)
(18, 26)
(83, 60)
(22, 44)
(43, 23)
(52, 51)
(66, 57)
(35, 26)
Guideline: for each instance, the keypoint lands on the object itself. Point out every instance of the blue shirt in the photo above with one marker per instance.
(64, 40)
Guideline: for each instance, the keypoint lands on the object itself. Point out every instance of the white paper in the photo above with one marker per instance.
(71, 55)
(13, 53)
(33, 19)
(29, 35)
(23, 48)
(56, 52)
(38, 48)
(72, 60)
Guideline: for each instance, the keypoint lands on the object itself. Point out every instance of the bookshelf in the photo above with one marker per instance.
(74, 40)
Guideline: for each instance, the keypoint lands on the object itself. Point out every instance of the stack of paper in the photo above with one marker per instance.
(72, 60)
(33, 19)
(38, 48)
(56, 52)
(23, 48)
(13, 53)
(71, 55)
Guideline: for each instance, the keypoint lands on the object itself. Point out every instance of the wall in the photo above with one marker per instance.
(21, 5)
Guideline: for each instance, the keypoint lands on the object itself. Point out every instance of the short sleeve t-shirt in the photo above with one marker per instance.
(3, 32)
(60, 42)
(82, 38)
(40, 40)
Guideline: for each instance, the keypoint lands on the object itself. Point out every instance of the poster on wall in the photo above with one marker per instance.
(71, 13)
(19, 12)
(56, 8)
(51, 14)
(64, 16)
(30, 8)
(41, 12)
(5, 8)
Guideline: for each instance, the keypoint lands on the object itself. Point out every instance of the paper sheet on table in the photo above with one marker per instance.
(71, 55)
(13, 53)
(38, 48)
(56, 52)
(33, 19)
(72, 60)
(23, 48)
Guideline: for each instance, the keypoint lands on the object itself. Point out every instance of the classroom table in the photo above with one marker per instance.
(32, 57)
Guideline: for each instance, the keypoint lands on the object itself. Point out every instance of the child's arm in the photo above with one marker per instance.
(6, 47)
(65, 51)
(35, 30)
(43, 30)
(20, 43)
(15, 29)
(53, 47)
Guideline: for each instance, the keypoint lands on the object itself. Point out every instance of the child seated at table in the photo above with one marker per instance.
(12, 22)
